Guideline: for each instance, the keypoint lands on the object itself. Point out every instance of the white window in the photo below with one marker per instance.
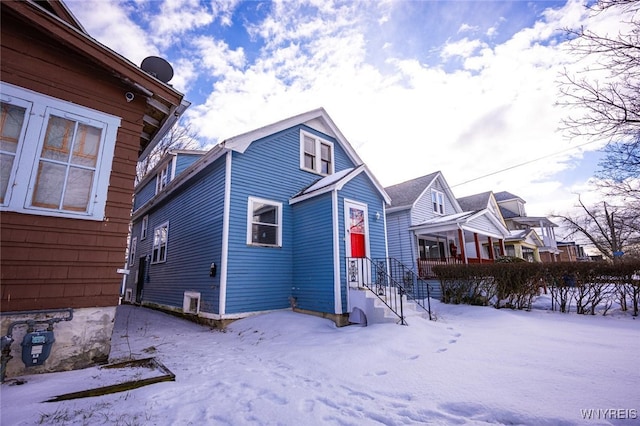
(132, 251)
(316, 154)
(164, 176)
(145, 225)
(264, 222)
(437, 198)
(160, 238)
(64, 168)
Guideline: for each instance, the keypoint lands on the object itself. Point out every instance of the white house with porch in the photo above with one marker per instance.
(427, 226)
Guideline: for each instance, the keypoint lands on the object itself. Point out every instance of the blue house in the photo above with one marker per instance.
(263, 221)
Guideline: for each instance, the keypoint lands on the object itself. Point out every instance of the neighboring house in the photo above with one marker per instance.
(263, 221)
(427, 226)
(522, 243)
(75, 119)
(525, 244)
(515, 216)
(571, 252)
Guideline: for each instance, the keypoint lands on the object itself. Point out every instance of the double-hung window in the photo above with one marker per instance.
(264, 223)
(316, 154)
(132, 251)
(437, 199)
(144, 226)
(164, 176)
(55, 156)
(160, 238)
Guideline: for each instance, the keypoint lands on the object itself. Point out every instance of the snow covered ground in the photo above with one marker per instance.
(473, 366)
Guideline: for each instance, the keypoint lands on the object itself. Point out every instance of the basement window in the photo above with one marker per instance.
(191, 302)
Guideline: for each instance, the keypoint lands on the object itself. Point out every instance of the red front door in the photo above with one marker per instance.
(357, 232)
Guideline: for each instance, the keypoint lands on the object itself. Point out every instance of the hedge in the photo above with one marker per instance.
(587, 286)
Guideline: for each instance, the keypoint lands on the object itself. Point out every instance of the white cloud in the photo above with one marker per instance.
(467, 28)
(176, 17)
(463, 48)
(114, 28)
(405, 120)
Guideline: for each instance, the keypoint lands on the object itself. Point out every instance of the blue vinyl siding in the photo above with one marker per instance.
(400, 239)
(423, 209)
(144, 194)
(261, 278)
(183, 161)
(194, 213)
(313, 279)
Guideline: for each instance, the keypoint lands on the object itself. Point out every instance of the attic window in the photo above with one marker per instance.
(316, 154)
(165, 175)
(437, 199)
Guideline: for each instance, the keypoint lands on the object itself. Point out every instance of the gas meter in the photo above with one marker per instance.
(36, 347)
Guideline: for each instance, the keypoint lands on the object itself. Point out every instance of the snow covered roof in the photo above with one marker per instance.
(335, 182)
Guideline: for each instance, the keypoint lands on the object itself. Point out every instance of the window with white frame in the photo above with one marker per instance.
(144, 226)
(132, 251)
(316, 154)
(160, 238)
(164, 176)
(437, 199)
(64, 168)
(264, 222)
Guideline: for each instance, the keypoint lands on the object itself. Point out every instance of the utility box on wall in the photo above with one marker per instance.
(36, 347)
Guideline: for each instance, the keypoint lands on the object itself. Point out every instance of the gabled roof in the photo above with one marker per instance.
(336, 181)
(164, 104)
(464, 220)
(317, 119)
(404, 195)
(505, 196)
(475, 202)
(524, 236)
(508, 214)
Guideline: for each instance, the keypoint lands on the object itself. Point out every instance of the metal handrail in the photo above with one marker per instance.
(416, 288)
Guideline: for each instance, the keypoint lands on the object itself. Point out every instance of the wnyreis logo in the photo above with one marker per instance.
(609, 414)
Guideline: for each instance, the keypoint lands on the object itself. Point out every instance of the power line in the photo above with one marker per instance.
(522, 164)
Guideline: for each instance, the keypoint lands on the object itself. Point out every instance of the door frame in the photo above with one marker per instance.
(360, 264)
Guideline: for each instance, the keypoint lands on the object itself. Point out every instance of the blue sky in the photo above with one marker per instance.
(464, 87)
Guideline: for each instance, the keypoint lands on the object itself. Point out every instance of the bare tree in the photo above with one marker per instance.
(611, 229)
(606, 91)
(181, 136)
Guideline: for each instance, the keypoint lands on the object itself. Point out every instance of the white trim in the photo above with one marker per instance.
(226, 212)
(319, 141)
(132, 251)
(336, 256)
(365, 209)
(144, 227)
(439, 197)
(128, 293)
(23, 177)
(166, 244)
(251, 200)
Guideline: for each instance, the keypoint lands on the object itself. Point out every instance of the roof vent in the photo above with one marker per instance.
(157, 67)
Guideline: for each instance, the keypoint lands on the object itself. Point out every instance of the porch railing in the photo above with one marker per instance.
(390, 281)
(425, 266)
(416, 288)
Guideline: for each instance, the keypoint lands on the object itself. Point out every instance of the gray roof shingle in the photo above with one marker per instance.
(406, 193)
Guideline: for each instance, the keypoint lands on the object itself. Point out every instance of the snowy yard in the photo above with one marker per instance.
(474, 365)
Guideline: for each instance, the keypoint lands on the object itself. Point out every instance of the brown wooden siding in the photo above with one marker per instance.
(51, 262)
